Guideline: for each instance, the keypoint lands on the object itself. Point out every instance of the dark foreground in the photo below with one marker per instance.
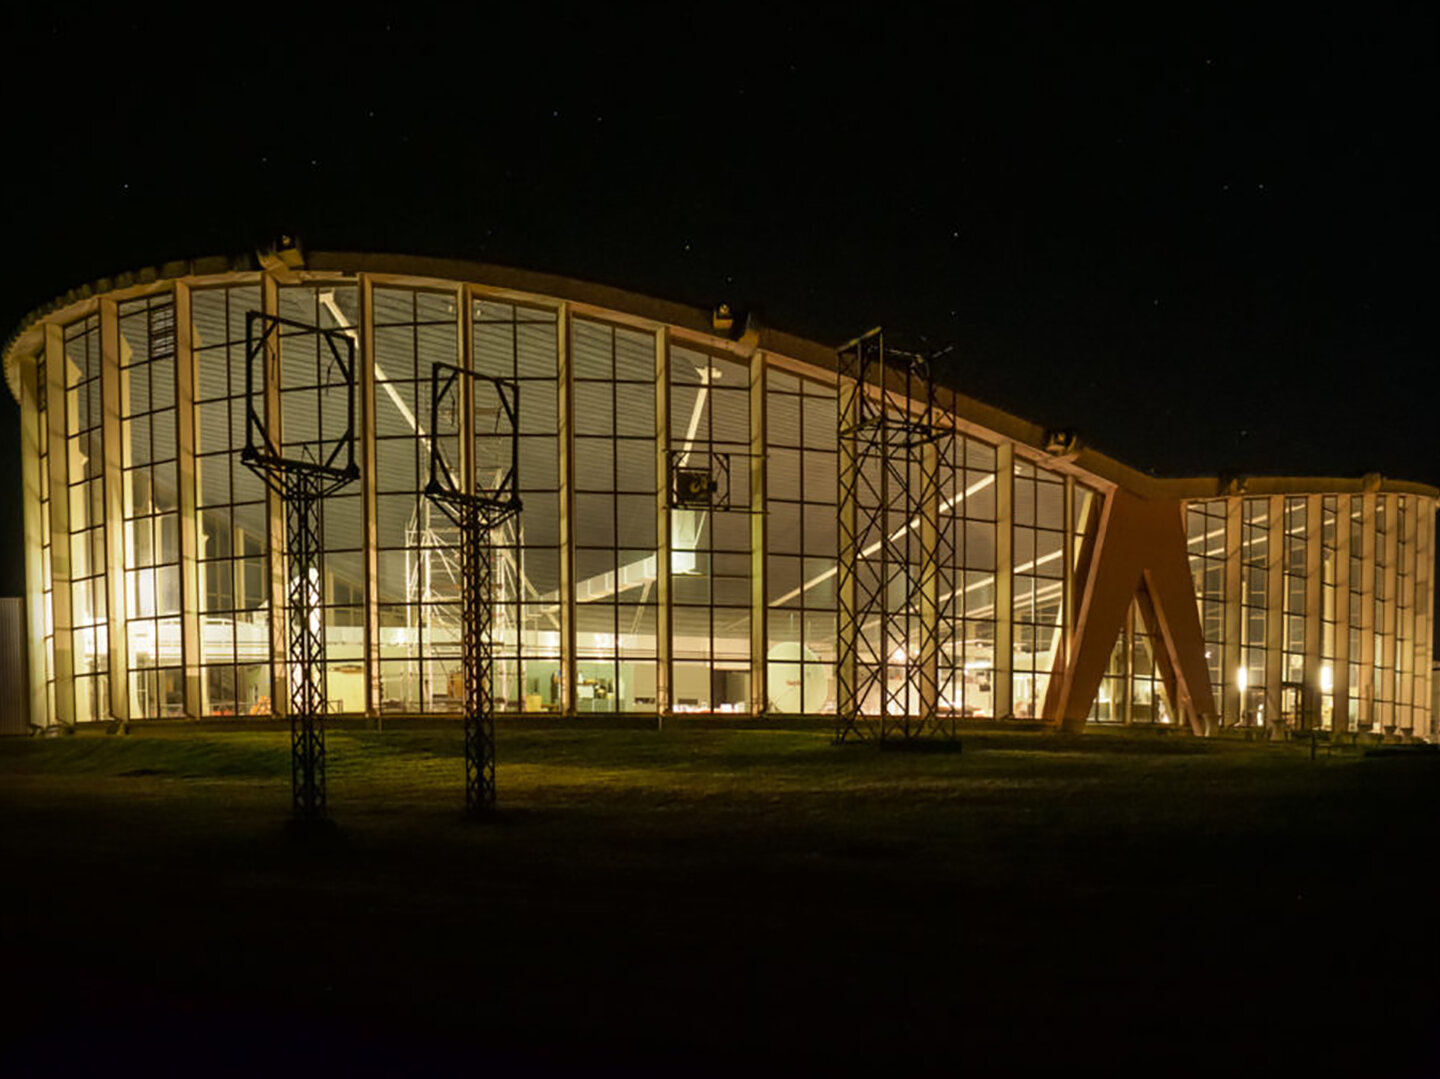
(716, 902)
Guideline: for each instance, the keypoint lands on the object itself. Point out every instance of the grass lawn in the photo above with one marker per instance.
(700, 900)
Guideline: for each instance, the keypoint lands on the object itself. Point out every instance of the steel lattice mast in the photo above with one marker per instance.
(477, 508)
(305, 650)
(302, 483)
(477, 604)
(896, 557)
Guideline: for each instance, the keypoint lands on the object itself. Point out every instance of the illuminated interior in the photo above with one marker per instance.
(156, 566)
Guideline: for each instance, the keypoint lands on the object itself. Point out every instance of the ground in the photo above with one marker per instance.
(703, 900)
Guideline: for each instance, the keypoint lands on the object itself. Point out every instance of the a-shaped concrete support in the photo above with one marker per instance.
(1139, 551)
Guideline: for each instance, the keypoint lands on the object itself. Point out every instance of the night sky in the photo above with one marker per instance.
(1202, 241)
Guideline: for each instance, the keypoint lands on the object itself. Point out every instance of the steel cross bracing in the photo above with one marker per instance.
(476, 517)
(896, 557)
(305, 650)
(301, 483)
(477, 604)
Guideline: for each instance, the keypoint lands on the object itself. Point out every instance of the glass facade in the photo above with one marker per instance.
(417, 585)
(151, 487)
(84, 449)
(1039, 576)
(1206, 531)
(1255, 613)
(616, 536)
(1292, 665)
(522, 342)
(1331, 621)
(1357, 638)
(710, 560)
(312, 416)
(972, 515)
(1404, 611)
(800, 447)
(46, 671)
(1383, 588)
(616, 592)
(1348, 630)
(233, 548)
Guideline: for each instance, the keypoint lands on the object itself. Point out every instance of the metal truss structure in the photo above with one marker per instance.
(895, 574)
(317, 467)
(478, 492)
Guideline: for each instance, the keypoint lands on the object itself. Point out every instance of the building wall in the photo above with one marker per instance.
(157, 564)
(14, 701)
(1347, 646)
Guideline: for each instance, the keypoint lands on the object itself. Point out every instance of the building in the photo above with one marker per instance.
(1074, 587)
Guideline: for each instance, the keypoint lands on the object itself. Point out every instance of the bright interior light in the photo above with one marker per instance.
(1327, 679)
(1242, 679)
(317, 624)
(898, 656)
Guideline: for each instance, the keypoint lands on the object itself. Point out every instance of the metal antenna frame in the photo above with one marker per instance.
(301, 485)
(896, 557)
(476, 513)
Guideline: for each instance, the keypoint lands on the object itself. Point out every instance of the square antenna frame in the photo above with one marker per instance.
(457, 400)
(332, 462)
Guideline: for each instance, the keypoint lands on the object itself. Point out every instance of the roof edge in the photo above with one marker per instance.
(699, 320)
(147, 275)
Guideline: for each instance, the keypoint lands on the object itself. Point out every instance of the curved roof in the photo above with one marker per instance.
(697, 320)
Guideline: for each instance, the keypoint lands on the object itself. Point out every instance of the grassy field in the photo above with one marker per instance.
(707, 900)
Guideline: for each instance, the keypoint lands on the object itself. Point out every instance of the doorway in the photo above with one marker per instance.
(1292, 706)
